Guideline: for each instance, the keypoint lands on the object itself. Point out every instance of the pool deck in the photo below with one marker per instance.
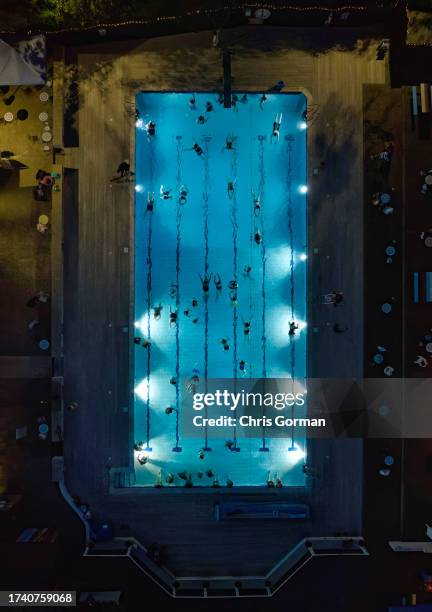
(98, 345)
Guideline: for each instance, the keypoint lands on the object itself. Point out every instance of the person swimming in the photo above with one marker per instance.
(209, 107)
(257, 205)
(231, 188)
(198, 150)
(165, 193)
(242, 366)
(183, 194)
(246, 328)
(257, 237)
(233, 299)
(229, 143)
(234, 100)
(150, 202)
(292, 328)
(172, 292)
(218, 284)
(244, 99)
(192, 103)
(173, 317)
(233, 284)
(263, 100)
(201, 119)
(194, 303)
(225, 344)
(205, 282)
(276, 127)
(246, 271)
(157, 312)
(150, 128)
(220, 98)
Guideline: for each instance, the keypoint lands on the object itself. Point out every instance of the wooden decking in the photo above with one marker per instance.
(98, 333)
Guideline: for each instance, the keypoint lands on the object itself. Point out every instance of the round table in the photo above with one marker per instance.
(43, 428)
(43, 96)
(386, 308)
(385, 198)
(378, 358)
(43, 116)
(8, 117)
(44, 344)
(43, 219)
(390, 251)
(428, 179)
(22, 114)
(46, 136)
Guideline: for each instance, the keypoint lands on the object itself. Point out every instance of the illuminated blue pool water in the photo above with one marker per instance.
(258, 223)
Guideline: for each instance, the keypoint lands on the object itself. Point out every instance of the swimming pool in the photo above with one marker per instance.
(220, 271)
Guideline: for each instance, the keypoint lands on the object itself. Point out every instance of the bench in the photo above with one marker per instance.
(260, 510)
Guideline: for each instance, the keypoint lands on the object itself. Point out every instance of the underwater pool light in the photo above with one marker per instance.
(302, 256)
(142, 389)
(296, 454)
(303, 188)
(139, 188)
(302, 125)
(139, 123)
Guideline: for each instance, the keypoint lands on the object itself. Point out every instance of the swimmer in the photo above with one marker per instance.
(201, 454)
(233, 298)
(292, 328)
(209, 107)
(205, 282)
(169, 410)
(229, 143)
(262, 101)
(157, 310)
(246, 271)
(201, 120)
(244, 99)
(187, 312)
(231, 188)
(233, 284)
(276, 127)
(198, 150)
(194, 303)
(218, 284)
(220, 98)
(234, 100)
(192, 103)
(146, 343)
(165, 193)
(257, 205)
(172, 292)
(137, 340)
(173, 317)
(225, 344)
(246, 328)
(242, 365)
(150, 128)
(173, 381)
(195, 321)
(257, 237)
(193, 381)
(230, 445)
(150, 202)
(183, 195)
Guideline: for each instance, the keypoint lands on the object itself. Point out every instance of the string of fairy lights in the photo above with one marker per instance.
(212, 12)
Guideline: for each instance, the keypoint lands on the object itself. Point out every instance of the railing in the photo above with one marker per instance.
(230, 586)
